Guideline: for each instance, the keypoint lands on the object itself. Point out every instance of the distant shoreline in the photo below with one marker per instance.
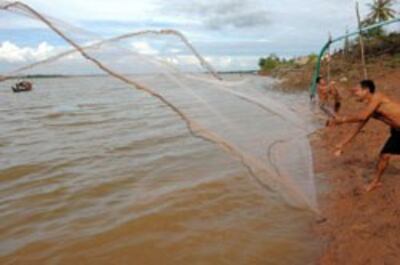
(44, 76)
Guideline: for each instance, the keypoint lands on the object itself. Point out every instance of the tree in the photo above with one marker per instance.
(271, 62)
(312, 58)
(380, 10)
(261, 62)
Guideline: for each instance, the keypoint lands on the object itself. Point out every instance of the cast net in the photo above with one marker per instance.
(268, 139)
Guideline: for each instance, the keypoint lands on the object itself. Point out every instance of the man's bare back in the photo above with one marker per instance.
(387, 110)
(322, 91)
(329, 97)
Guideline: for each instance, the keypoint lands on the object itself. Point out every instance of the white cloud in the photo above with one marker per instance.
(221, 14)
(75, 10)
(219, 29)
(143, 48)
(12, 53)
(18, 22)
(233, 63)
(222, 62)
(175, 50)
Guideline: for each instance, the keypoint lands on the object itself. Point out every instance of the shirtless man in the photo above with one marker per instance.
(322, 89)
(379, 107)
(334, 93)
(325, 93)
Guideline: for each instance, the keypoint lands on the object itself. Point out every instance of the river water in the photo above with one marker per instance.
(94, 172)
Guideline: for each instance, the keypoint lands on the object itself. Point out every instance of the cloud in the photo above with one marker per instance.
(219, 29)
(175, 50)
(12, 53)
(241, 20)
(144, 48)
(220, 63)
(233, 63)
(76, 10)
(221, 14)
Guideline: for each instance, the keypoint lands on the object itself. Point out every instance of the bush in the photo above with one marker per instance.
(273, 62)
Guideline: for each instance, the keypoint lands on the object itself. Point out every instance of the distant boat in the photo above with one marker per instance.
(23, 86)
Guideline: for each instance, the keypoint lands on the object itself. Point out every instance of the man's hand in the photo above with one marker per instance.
(331, 122)
(338, 150)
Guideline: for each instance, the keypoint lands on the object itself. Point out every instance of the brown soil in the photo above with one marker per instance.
(299, 78)
(361, 228)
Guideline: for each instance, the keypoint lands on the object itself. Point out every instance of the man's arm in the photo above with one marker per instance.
(349, 138)
(352, 134)
(361, 116)
(335, 91)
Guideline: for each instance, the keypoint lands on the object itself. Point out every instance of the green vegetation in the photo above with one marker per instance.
(381, 48)
(36, 76)
(380, 10)
(312, 58)
(376, 45)
(382, 51)
(272, 63)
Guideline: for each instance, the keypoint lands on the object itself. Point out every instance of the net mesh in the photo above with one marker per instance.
(265, 136)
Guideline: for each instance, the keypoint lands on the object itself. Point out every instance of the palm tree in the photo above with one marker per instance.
(381, 10)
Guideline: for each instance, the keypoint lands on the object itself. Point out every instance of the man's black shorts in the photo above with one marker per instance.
(392, 145)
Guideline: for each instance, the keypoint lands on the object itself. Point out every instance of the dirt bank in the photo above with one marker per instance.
(361, 228)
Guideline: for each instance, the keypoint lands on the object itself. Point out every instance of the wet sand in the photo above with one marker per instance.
(361, 228)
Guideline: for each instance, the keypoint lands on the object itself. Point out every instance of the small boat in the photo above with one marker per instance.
(23, 86)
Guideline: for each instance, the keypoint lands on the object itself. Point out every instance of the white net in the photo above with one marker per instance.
(265, 136)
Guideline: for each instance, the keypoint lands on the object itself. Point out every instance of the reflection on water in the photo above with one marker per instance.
(94, 172)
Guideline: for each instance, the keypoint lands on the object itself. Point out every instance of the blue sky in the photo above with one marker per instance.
(231, 34)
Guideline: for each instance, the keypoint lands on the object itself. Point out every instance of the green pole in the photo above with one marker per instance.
(313, 88)
(318, 69)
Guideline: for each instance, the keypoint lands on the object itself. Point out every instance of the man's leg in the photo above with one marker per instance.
(382, 165)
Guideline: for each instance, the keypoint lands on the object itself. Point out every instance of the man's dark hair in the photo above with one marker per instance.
(368, 84)
(319, 79)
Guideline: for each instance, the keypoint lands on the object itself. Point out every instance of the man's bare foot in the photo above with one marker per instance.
(373, 185)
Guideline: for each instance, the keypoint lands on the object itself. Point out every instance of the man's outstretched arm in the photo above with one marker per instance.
(339, 147)
(359, 117)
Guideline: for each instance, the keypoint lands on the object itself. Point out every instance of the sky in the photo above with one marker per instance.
(230, 34)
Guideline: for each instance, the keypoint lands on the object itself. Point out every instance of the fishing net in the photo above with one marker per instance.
(268, 139)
